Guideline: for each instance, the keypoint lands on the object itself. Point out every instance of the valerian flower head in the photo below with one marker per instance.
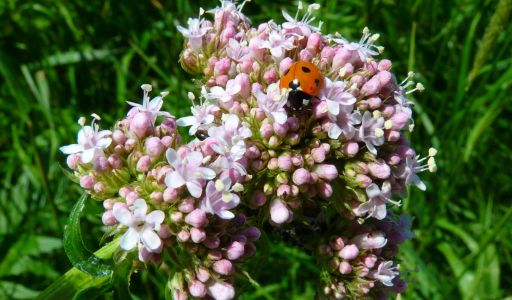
(188, 171)
(91, 142)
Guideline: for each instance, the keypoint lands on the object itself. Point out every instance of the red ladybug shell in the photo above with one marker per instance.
(303, 76)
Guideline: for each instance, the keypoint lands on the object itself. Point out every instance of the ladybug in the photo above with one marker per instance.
(304, 81)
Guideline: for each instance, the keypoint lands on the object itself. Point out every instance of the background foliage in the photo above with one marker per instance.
(62, 59)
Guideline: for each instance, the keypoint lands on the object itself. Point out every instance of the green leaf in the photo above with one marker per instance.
(121, 280)
(75, 249)
(11, 290)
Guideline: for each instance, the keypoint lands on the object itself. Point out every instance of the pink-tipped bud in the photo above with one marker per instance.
(164, 231)
(327, 54)
(115, 161)
(274, 142)
(280, 129)
(197, 289)
(283, 191)
(197, 218)
(197, 235)
(379, 170)
(272, 164)
(235, 250)
(337, 243)
(143, 164)
(341, 58)
(176, 216)
(154, 147)
(350, 149)
(170, 195)
(101, 164)
(298, 160)
(279, 213)
(221, 80)
(72, 161)
(349, 252)
(202, 274)
(222, 66)
(374, 102)
(285, 65)
(284, 162)
(270, 76)
(183, 235)
(325, 189)
(157, 197)
(253, 152)
(345, 267)
(370, 260)
(384, 65)
(325, 171)
(221, 290)
(392, 136)
(266, 130)
(305, 55)
(371, 87)
(187, 205)
(141, 124)
(108, 218)
(318, 154)
(363, 181)
(314, 42)
(400, 119)
(223, 267)
(301, 176)
(87, 182)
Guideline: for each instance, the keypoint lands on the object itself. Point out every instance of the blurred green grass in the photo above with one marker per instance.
(62, 59)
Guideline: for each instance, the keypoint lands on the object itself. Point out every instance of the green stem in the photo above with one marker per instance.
(75, 280)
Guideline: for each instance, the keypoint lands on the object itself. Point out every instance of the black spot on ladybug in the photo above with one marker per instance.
(306, 69)
(317, 82)
(294, 84)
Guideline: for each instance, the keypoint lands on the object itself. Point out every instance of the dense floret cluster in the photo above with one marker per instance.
(328, 172)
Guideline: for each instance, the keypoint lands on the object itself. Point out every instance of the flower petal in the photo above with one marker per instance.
(122, 215)
(194, 188)
(155, 217)
(174, 180)
(88, 155)
(70, 149)
(129, 239)
(150, 239)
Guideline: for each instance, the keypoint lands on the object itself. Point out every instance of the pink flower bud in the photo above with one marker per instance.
(115, 161)
(246, 66)
(314, 42)
(87, 182)
(318, 154)
(325, 171)
(197, 235)
(371, 87)
(279, 213)
(187, 205)
(222, 66)
(202, 274)
(183, 236)
(341, 58)
(392, 136)
(253, 152)
(374, 102)
(101, 164)
(245, 84)
(379, 170)
(400, 119)
(345, 267)
(223, 267)
(252, 233)
(283, 191)
(124, 191)
(284, 162)
(176, 216)
(258, 199)
(170, 195)
(220, 290)
(285, 65)
(141, 124)
(222, 80)
(350, 149)
(274, 142)
(156, 196)
(325, 189)
(327, 54)
(108, 218)
(272, 164)
(384, 65)
(235, 250)
(270, 76)
(143, 164)
(305, 55)
(370, 260)
(266, 130)
(337, 243)
(154, 147)
(72, 161)
(164, 231)
(363, 181)
(349, 252)
(197, 289)
(280, 129)
(118, 137)
(297, 160)
(197, 218)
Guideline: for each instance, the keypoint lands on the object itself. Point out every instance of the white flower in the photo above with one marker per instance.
(188, 171)
(377, 198)
(233, 87)
(413, 165)
(336, 96)
(385, 273)
(220, 197)
(195, 32)
(142, 227)
(201, 116)
(152, 107)
(364, 48)
(237, 51)
(273, 103)
(91, 143)
(230, 142)
(278, 44)
(344, 123)
(371, 132)
(373, 240)
(302, 26)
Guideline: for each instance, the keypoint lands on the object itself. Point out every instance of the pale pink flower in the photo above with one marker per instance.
(152, 108)
(220, 197)
(336, 96)
(195, 32)
(371, 132)
(385, 273)
(278, 44)
(273, 103)
(377, 198)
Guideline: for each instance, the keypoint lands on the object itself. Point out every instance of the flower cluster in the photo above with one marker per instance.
(338, 164)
